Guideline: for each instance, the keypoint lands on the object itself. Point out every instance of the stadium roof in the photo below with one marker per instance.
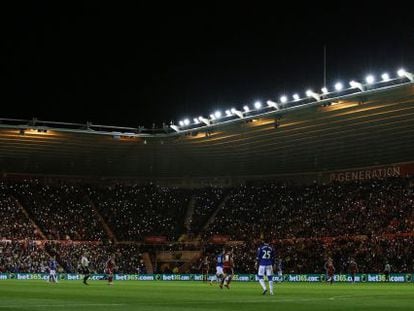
(366, 124)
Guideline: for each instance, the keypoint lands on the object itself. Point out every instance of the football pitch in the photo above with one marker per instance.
(176, 295)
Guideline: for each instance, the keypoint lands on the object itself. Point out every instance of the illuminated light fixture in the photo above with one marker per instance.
(228, 112)
(181, 123)
(186, 122)
(310, 93)
(356, 85)
(236, 112)
(246, 108)
(370, 79)
(324, 90)
(339, 86)
(283, 99)
(272, 104)
(175, 127)
(258, 105)
(402, 73)
(385, 77)
(204, 120)
(212, 117)
(217, 114)
(296, 96)
(196, 121)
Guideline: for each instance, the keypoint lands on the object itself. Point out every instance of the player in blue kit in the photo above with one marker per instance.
(265, 260)
(219, 268)
(52, 269)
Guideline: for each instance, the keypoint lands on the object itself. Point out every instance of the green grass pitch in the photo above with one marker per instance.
(136, 295)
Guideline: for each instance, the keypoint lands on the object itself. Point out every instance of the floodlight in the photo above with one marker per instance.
(272, 104)
(186, 122)
(296, 96)
(310, 93)
(246, 108)
(283, 99)
(324, 90)
(204, 120)
(385, 77)
(401, 72)
(217, 114)
(339, 86)
(370, 79)
(258, 105)
(356, 85)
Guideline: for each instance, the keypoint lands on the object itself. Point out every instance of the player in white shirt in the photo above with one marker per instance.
(85, 268)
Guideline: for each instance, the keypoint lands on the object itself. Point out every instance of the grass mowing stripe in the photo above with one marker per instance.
(161, 295)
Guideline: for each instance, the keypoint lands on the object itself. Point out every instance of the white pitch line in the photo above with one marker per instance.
(62, 305)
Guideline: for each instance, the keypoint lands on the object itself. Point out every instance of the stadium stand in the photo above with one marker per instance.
(319, 179)
(371, 221)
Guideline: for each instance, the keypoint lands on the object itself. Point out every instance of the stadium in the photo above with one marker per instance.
(163, 200)
(238, 158)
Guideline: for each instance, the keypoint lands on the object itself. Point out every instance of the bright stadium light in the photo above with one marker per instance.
(310, 93)
(385, 77)
(283, 99)
(228, 112)
(196, 121)
(186, 122)
(246, 108)
(324, 90)
(370, 79)
(217, 114)
(402, 73)
(237, 112)
(204, 120)
(296, 96)
(175, 127)
(181, 123)
(212, 117)
(339, 86)
(272, 104)
(257, 105)
(356, 85)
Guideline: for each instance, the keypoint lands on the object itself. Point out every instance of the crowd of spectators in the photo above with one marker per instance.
(60, 210)
(338, 209)
(370, 221)
(135, 211)
(13, 222)
(33, 256)
(22, 256)
(310, 255)
(206, 201)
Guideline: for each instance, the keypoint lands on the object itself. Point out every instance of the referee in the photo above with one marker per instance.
(85, 268)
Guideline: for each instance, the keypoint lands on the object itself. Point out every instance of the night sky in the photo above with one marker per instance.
(155, 61)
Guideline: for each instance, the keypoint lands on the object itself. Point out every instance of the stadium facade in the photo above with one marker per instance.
(316, 138)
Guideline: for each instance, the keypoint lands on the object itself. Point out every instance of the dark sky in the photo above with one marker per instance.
(156, 61)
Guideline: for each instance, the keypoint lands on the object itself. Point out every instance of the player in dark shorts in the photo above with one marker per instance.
(205, 268)
(109, 269)
(85, 268)
(387, 271)
(353, 269)
(228, 272)
(330, 270)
